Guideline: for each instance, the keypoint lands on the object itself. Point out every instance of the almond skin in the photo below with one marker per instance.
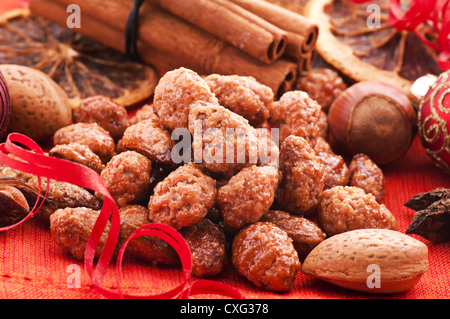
(344, 260)
(39, 106)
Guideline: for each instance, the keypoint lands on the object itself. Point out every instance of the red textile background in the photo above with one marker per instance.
(33, 266)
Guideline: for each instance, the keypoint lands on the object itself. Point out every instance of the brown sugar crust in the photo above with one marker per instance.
(90, 134)
(144, 113)
(175, 92)
(365, 174)
(347, 208)
(323, 126)
(303, 176)
(105, 112)
(336, 170)
(127, 177)
(150, 139)
(322, 146)
(62, 195)
(264, 254)
(243, 95)
(71, 228)
(210, 124)
(78, 153)
(248, 195)
(297, 114)
(208, 248)
(323, 85)
(148, 248)
(305, 234)
(183, 198)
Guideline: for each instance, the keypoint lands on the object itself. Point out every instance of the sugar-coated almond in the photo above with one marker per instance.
(369, 260)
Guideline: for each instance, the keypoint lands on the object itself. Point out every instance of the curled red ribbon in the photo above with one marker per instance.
(434, 12)
(34, 161)
(418, 13)
(13, 163)
(174, 239)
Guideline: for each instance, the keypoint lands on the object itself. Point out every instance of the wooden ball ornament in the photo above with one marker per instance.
(434, 118)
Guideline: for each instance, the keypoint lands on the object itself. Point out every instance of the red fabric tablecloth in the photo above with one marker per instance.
(33, 266)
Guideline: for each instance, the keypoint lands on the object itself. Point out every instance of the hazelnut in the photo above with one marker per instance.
(375, 119)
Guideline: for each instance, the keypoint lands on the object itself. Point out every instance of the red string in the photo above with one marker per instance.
(34, 161)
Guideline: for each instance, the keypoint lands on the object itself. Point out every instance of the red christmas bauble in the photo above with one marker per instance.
(5, 106)
(434, 122)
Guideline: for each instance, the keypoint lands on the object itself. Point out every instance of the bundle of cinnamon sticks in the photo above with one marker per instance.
(244, 37)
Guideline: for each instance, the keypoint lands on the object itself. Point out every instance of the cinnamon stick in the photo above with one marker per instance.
(232, 24)
(281, 35)
(302, 33)
(307, 62)
(168, 41)
(104, 34)
(310, 60)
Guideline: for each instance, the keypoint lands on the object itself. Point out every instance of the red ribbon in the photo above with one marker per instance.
(34, 161)
(435, 12)
(418, 13)
(174, 239)
(15, 164)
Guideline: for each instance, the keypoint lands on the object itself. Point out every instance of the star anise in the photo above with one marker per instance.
(432, 220)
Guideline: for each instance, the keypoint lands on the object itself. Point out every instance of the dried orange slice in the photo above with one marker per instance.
(364, 51)
(82, 67)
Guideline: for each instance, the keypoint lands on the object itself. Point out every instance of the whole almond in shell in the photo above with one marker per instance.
(369, 260)
(39, 106)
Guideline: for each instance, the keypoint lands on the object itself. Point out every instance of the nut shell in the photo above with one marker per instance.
(13, 205)
(39, 106)
(375, 119)
(344, 260)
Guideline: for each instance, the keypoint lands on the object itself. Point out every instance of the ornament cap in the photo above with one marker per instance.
(422, 85)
